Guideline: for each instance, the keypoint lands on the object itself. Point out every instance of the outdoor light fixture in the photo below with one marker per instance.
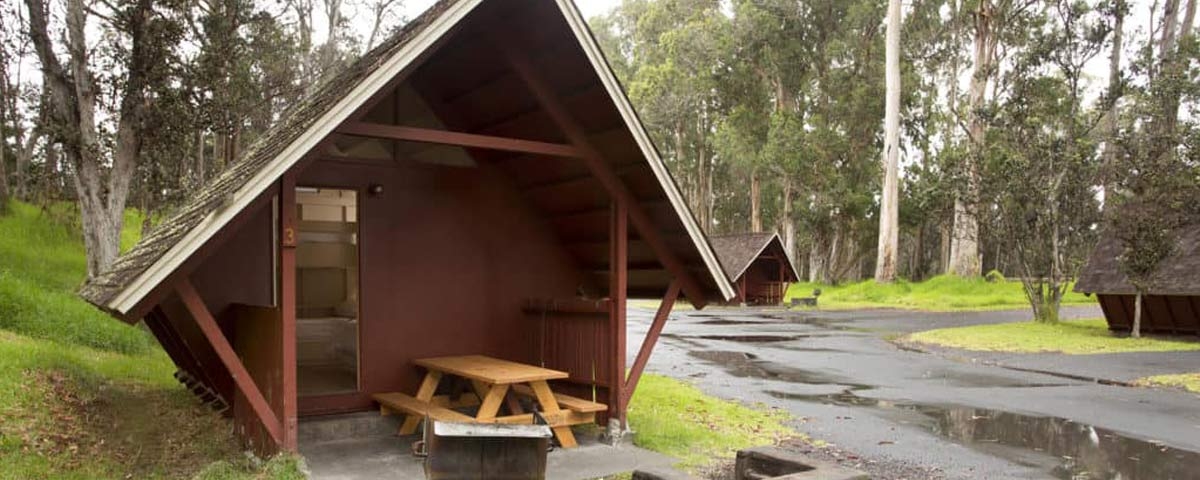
(375, 190)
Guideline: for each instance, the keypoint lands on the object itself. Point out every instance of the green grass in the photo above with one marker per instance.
(941, 293)
(83, 395)
(1186, 381)
(41, 265)
(675, 418)
(1074, 337)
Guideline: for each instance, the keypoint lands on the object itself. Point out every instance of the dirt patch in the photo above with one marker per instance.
(131, 431)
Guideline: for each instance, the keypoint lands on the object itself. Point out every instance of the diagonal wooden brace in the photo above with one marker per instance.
(241, 377)
(656, 328)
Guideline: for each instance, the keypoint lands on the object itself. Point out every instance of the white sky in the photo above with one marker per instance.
(589, 8)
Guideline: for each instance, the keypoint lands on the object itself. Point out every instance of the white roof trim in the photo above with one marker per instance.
(137, 290)
(617, 94)
(202, 233)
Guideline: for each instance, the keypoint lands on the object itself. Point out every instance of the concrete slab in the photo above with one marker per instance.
(372, 455)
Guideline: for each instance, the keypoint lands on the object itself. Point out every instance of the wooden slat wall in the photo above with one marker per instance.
(1160, 314)
(258, 342)
(578, 343)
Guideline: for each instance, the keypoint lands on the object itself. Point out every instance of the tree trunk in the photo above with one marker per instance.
(788, 227)
(1112, 123)
(1136, 331)
(964, 245)
(201, 166)
(755, 202)
(4, 192)
(889, 208)
(1168, 75)
(71, 104)
(817, 262)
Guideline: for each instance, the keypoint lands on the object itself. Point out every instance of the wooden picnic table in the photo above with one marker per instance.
(492, 380)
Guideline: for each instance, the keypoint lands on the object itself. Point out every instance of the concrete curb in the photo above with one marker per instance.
(955, 355)
(781, 464)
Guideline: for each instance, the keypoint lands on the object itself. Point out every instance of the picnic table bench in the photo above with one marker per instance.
(492, 381)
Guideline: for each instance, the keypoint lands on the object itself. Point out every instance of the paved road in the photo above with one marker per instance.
(938, 415)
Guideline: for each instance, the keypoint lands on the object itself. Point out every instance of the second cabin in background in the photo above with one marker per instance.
(758, 266)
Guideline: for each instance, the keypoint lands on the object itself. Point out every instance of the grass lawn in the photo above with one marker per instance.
(1186, 381)
(83, 395)
(1075, 337)
(675, 418)
(941, 293)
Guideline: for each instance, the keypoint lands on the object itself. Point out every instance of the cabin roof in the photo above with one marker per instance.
(739, 250)
(1178, 274)
(311, 125)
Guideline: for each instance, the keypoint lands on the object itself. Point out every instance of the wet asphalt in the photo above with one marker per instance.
(941, 414)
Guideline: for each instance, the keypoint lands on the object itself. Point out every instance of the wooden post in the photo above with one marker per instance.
(656, 327)
(245, 383)
(618, 267)
(287, 306)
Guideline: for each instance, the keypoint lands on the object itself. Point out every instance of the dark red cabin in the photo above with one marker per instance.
(478, 184)
(759, 266)
(1172, 304)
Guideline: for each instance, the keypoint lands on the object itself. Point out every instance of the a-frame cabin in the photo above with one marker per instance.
(759, 266)
(477, 184)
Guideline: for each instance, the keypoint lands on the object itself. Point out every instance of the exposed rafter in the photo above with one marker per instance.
(642, 222)
(458, 139)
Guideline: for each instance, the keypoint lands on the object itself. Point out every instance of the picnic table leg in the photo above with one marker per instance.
(490, 404)
(545, 398)
(424, 394)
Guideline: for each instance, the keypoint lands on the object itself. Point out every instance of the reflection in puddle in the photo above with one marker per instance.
(1083, 451)
(731, 322)
(742, 364)
(757, 338)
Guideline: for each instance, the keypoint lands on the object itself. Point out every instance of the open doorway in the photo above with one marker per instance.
(327, 291)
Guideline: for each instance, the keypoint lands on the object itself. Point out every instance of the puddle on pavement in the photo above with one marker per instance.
(742, 364)
(757, 338)
(1082, 451)
(731, 322)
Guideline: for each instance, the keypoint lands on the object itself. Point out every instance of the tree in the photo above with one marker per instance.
(1041, 158)
(964, 243)
(103, 166)
(889, 208)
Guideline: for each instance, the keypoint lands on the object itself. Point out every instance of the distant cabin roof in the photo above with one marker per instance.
(1178, 274)
(555, 27)
(738, 251)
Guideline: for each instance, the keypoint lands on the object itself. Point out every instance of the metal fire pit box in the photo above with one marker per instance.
(486, 451)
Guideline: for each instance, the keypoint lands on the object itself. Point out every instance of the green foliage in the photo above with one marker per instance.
(994, 276)
(41, 265)
(940, 293)
(675, 418)
(1074, 337)
(1041, 160)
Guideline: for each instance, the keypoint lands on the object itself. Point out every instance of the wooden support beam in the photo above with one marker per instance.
(618, 283)
(458, 139)
(656, 328)
(287, 306)
(603, 171)
(241, 377)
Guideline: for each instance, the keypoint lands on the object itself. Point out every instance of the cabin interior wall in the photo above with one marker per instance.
(449, 255)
